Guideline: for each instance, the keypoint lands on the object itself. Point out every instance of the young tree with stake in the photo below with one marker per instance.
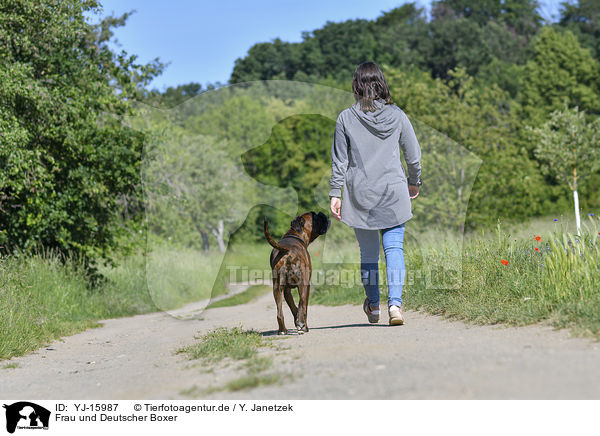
(568, 147)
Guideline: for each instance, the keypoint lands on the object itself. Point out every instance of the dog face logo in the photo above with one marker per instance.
(26, 415)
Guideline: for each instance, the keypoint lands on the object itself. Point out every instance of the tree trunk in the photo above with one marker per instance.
(205, 244)
(219, 233)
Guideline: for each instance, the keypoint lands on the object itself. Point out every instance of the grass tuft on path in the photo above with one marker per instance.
(235, 344)
(221, 343)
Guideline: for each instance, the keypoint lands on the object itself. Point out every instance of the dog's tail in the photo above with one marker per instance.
(271, 240)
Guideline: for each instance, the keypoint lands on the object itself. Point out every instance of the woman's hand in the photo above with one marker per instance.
(336, 206)
(413, 191)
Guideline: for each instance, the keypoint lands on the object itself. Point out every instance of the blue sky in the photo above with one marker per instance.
(202, 39)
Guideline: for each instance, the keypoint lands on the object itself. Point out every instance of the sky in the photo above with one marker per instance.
(202, 39)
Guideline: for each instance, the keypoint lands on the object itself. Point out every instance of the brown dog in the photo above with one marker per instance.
(291, 266)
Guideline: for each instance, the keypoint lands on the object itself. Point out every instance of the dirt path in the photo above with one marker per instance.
(342, 357)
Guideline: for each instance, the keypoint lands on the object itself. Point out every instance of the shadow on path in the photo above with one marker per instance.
(294, 332)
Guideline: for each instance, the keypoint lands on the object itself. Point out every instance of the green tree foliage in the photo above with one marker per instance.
(568, 147)
(190, 182)
(402, 37)
(560, 71)
(64, 176)
(520, 15)
(268, 60)
(297, 154)
(488, 35)
(476, 118)
(583, 19)
(456, 42)
(197, 187)
(331, 51)
(175, 95)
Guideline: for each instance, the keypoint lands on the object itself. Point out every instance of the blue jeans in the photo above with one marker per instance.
(393, 239)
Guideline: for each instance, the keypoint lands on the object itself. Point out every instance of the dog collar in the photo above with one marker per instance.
(294, 236)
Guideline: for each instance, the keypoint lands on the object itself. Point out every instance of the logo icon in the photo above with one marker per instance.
(26, 415)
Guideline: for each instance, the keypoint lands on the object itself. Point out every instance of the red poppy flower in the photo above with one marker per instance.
(504, 262)
(316, 253)
(537, 238)
(536, 249)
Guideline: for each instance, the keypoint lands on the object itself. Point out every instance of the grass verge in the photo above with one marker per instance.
(42, 299)
(514, 277)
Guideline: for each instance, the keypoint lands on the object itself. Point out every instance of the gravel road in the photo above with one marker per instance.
(342, 357)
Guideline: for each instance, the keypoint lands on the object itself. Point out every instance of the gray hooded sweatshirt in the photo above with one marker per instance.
(366, 170)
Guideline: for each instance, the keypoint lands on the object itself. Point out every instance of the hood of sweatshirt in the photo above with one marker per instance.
(381, 122)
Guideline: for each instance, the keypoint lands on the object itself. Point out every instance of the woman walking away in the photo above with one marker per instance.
(369, 190)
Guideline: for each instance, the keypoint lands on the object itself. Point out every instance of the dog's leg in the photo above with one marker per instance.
(304, 291)
(278, 294)
(289, 299)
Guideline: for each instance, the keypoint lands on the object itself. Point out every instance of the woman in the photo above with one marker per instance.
(369, 190)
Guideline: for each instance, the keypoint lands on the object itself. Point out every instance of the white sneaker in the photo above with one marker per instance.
(396, 317)
(372, 314)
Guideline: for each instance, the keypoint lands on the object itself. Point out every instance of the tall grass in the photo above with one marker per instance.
(555, 279)
(178, 275)
(551, 277)
(43, 298)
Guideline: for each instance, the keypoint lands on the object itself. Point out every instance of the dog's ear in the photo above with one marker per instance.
(297, 224)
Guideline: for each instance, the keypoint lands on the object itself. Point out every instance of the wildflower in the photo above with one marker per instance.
(555, 219)
(537, 238)
(316, 253)
(537, 249)
(504, 262)
(590, 214)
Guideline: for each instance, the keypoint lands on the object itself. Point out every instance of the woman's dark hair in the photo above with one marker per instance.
(368, 85)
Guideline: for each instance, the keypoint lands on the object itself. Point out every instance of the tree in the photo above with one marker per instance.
(456, 42)
(474, 35)
(474, 119)
(176, 95)
(560, 70)
(519, 15)
(583, 19)
(296, 154)
(402, 37)
(192, 188)
(569, 149)
(268, 60)
(63, 173)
